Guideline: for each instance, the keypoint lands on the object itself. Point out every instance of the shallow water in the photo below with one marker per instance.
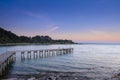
(97, 61)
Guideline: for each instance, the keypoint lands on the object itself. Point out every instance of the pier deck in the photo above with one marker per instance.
(5, 59)
(5, 56)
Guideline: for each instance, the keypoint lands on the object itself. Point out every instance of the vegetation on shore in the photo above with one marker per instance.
(8, 38)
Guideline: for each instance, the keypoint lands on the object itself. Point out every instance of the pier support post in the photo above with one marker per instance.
(22, 55)
(1, 70)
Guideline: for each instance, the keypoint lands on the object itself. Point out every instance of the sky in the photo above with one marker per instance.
(77, 20)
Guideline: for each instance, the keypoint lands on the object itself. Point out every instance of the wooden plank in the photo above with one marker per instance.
(5, 56)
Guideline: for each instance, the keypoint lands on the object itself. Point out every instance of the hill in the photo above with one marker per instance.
(9, 37)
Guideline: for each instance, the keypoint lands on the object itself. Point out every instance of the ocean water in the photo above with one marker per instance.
(93, 60)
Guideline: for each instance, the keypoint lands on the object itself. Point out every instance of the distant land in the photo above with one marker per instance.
(7, 37)
(99, 43)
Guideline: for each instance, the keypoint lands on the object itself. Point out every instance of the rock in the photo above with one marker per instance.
(31, 79)
(118, 74)
(11, 79)
(76, 78)
(52, 78)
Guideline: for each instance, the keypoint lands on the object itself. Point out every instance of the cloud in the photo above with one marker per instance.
(42, 18)
(96, 32)
(32, 14)
(51, 29)
(46, 23)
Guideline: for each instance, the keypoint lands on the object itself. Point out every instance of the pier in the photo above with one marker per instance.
(5, 60)
(8, 57)
(43, 53)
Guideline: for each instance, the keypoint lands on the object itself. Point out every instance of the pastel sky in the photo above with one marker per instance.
(78, 20)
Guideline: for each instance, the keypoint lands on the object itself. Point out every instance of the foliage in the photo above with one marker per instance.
(9, 37)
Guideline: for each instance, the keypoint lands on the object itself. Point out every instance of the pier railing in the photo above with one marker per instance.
(7, 58)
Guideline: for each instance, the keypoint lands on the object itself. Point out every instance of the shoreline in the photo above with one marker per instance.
(21, 44)
(47, 76)
(55, 75)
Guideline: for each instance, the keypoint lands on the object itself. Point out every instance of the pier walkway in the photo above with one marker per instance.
(8, 57)
(5, 60)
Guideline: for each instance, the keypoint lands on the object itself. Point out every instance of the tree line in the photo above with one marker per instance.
(9, 37)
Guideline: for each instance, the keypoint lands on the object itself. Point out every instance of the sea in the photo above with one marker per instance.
(98, 61)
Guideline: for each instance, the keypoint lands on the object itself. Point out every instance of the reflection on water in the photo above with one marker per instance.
(98, 61)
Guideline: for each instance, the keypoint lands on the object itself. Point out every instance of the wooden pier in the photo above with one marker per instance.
(7, 58)
(28, 54)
